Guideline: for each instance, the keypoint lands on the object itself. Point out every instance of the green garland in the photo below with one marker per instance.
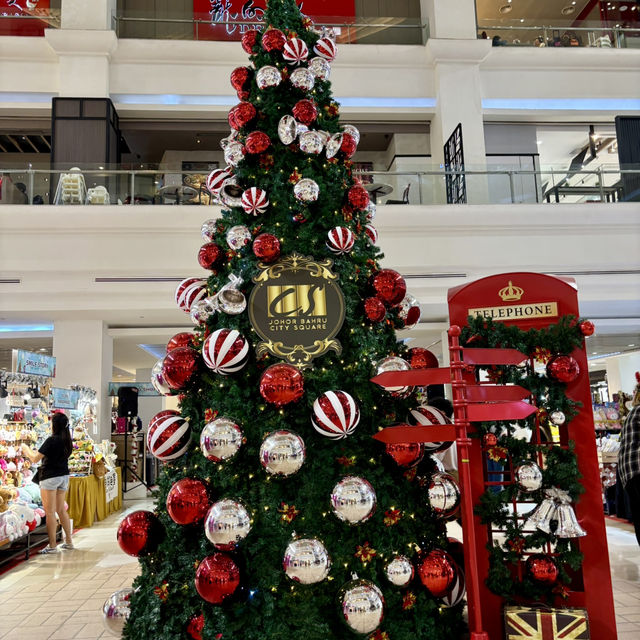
(561, 467)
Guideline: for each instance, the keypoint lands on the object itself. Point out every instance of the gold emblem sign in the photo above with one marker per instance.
(297, 308)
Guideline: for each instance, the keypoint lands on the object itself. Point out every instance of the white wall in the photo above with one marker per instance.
(621, 372)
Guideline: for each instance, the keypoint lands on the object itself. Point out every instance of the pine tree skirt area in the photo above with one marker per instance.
(277, 515)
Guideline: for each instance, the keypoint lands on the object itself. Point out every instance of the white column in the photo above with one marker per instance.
(621, 372)
(87, 14)
(84, 355)
(450, 18)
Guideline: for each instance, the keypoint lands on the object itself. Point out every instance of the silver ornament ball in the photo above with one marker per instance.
(116, 610)
(408, 303)
(231, 301)
(157, 379)
(201, 311)
(230, 193)
(287, 129)
(208, 229)
(333, 145)
(302, 79)
(394, 363)
(444, 495)
(238, 237)
(362, 606)
(220, 439)
(233, 153)
(227, 524)
(268, 77)
(353, 500)
(320, 68)
(528, 477)
(306, 190)
(399, 571)
(306, 561)
(311, 142)
(558, 418)
(282, 453)
(352, 131)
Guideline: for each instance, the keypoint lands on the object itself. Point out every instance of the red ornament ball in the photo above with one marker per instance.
(542, 569)
(420, 358)
(249, 39)
(281, 384)
(437, 571)
(489, 440)
(217, 578)
(266, 247)
(389, 286)
(349, 145)
(305, 111)
(273, 40)
(257, 142)
(241, 115)
(358, 195)
(188, 501)
(587, 328)
(184, 339)
(195, 627)
(240, 77)
(374, 310)
(211, 256)
(140, 533)
(406, 455)
(563, 368)
(178, 367)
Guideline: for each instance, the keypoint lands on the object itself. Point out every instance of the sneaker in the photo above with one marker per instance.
(68, 547)
(48, 549)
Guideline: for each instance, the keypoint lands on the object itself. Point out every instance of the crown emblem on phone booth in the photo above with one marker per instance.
(511, 293)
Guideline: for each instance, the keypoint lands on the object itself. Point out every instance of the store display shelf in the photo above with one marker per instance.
(23, 547)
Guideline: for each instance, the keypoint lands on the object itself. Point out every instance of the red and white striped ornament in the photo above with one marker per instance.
(427, 416)
(340, 240)
(295, 51)
(190, 291)
(335, 415)
(168, 436)
(255, 201)
(372, 233)
(216, 179)
(457, 592)
(326, 48)
(225, 351)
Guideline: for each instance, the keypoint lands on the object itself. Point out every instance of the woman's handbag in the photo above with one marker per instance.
(36, 477)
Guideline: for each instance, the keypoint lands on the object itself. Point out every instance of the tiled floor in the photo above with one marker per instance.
(60, 597)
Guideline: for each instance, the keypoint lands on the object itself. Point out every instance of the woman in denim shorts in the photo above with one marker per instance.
(54, 478)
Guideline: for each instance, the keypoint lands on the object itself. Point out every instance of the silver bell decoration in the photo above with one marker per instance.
(542, 515)
(220, 439)
(311, 142)
(362, 606)
(231, 193)
(201, 311)
(444, 495)
(556, 506)
(289, 129)
(528, 477)
(302, 79)
(333, 145)
(352, 131)
(320, 68)
(157, 379)
(558, 418)
(282, 453)
(353, 500)
(238, 236)
(208, 229)
(568, 525)
(394, 363)
(233, 153)
(227, 524)
(116, 610)
(399, 571)
(306, 561)
(268, 77)
(306, 190)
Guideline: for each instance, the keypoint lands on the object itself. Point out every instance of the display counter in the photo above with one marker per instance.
(87, 499)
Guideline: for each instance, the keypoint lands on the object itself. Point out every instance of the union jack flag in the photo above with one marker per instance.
(523, 623)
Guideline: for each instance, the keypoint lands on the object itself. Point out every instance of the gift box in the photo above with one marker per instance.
(545, 624)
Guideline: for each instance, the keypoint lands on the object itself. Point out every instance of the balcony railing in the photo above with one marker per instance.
(28, 24)
(378, 30)
(164, 186)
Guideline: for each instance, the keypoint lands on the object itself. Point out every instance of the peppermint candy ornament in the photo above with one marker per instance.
(340, 240)
(295, 51)
(190, 291)
(168, 436)
(335, 415)
(372, 233)
(326, 48)
(427, 416)
(216, 179)
(255, 201)
(225, 351)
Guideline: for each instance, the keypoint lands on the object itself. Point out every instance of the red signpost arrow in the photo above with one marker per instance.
(413, 378)
(406, 434)
(493, 356)
(495, 393)
(499, 411)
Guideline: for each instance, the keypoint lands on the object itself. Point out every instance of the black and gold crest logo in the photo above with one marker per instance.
(297, 308)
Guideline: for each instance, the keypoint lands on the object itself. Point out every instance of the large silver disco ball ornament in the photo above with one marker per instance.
(116, 610)
(311, 142)
(302, 79)
(227, 524)
(220, 439)
(528, 477)
(231, 301)
(444, 495)
(157, 379)
(320, 68)
(282, 453)
(362, 606)
(399, 571)
(353, 500)
(238, 236)
(201, 311)
(306, 190)
(352, 131)
(394, 363)
(268, 77)
(306, 561)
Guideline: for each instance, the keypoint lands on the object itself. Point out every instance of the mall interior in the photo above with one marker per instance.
(496, 137)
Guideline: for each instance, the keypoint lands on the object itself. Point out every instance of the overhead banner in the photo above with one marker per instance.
(144, 388)
(64, 398)
(24, 26)
(34, 364)
(214, 11)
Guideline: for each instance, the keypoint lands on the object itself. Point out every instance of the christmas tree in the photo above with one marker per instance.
(278, 512)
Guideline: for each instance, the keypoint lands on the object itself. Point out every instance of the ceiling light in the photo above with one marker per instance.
(623, 8)
(507, 8)
(521, 19)
(567, 11)
(631, 345)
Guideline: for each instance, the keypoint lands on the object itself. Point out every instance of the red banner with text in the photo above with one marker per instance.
(31, 17)
(230, 11)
